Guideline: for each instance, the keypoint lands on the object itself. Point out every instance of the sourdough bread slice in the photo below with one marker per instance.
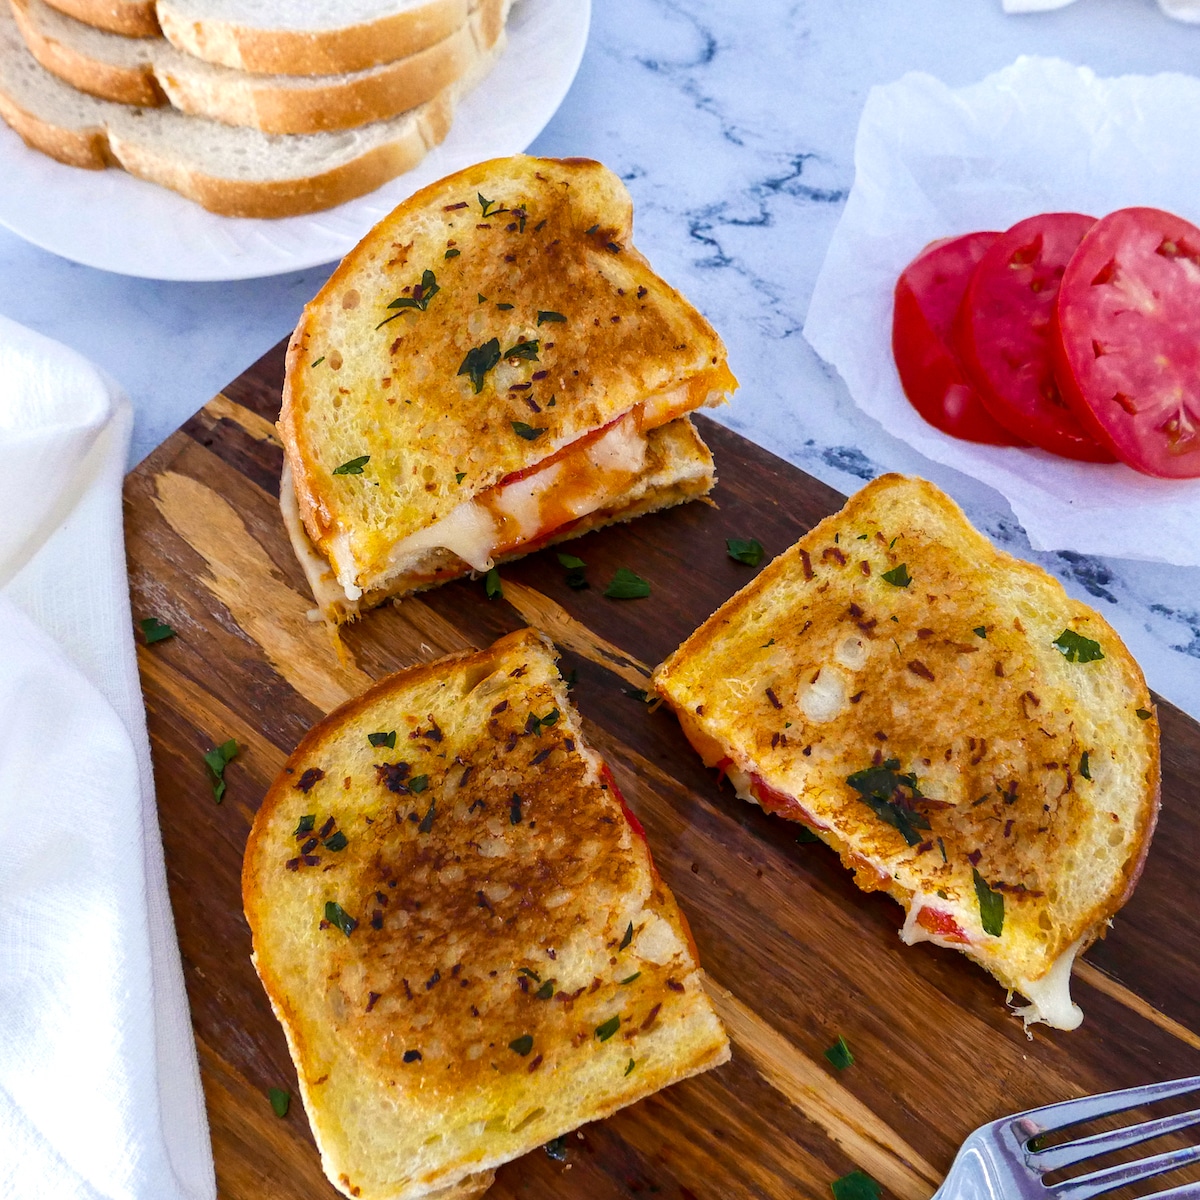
(289, 37)
(307, 37)
(229, 170)
(459, 924)
(966, 736)
(147, 71)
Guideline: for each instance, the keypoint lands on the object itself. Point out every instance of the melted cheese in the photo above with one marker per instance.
(1050, 997)
(468, 531)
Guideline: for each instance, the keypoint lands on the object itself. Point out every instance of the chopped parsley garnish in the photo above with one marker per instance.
(897, 576)
(411, 1056)
(546, 314)
(418, 783)
(1076, 648)
(991, 905)
(630, 978)
(1143, 714)
(522, 1045)
(980, 630)
(307, 824)
(480, 298)
(608, 1028)
(745, 550)
(858, 1185)
(492, 585)
(639, 694)
(632, 1064)
(488, 206)
(453, 252)
(627, 938)
(1084, 767)
(529, 973)
(316, 362)
(383, 739)
(422, 293)
(527, 350)
(556, 1148)
(427, 820)
(536, 724)
(839, 1054)
(338, 841)
(335, 914)
(589, 232)
(627, 585)
(280, 1101)
(154, 630)
(504, 307)
(216, 761)
(459, 476)
(354, 466)
(806, 835)
(889, 795)
(514, 809)
(530, 433)
(545, 991)
(575, 568)
(942, 848)
(479, 361)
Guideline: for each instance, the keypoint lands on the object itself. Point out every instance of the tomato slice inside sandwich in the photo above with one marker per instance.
(1004, 333)
(1128, 339)
(928, 294)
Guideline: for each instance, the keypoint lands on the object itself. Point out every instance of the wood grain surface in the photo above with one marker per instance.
(795, 953)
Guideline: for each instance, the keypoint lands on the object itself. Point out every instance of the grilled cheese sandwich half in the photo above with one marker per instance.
(491, 368)
(966, 736)
(462, 931)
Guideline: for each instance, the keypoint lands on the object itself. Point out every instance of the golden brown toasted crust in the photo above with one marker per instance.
(133, 18)
(316, 52)
(821, 668)
(555, 240)
(507, 911)
(131, 83)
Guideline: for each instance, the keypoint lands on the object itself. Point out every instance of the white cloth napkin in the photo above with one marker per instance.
(931, 161)
(99, 1088)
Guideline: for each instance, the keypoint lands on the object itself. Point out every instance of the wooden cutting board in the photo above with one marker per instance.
(797, 955)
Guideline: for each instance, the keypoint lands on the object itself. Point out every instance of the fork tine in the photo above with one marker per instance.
(1088, 1108)
(1099, 1182)
(1056, 1157)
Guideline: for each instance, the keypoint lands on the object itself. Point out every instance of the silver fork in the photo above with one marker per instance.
(999, 1161)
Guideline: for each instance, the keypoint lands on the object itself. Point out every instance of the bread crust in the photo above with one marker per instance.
(563, 884)
(132, 18)
(995, 725)
(316, 52)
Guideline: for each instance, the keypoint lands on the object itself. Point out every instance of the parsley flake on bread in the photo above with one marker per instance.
(509, 372)
(966, 736)
(461, 929)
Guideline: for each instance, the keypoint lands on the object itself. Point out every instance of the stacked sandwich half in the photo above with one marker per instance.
(257, 110)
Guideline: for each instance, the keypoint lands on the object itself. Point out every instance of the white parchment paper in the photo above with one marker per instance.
(933, 161)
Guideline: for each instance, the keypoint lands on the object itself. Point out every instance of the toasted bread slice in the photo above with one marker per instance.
(460, 927)
(677, 467)
(940, 714)
(486, 328)
(150, 71)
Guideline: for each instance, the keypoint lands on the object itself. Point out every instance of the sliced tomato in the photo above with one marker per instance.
(1128, 339)
(928, 294)
(1004, 333)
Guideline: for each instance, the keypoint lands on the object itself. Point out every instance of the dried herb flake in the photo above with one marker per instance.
(627, 938)
(280, 1101)
(154, 630)
(530, 433)
(991, 905)
(354, 466)
(522, 1045)
(897, 576)
(335, 914)
(1077, 648)
(605, 1030)
(839, 1054)
(383, 739)
(479, 361)
(546, 314)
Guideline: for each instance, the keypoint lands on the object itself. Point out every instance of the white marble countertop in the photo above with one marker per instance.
(733, 125)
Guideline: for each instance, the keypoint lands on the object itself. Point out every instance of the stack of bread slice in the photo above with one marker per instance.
(256, 110)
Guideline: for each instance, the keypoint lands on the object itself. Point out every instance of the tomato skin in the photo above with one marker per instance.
(927, 297)
(942, 925)
(1127, 339)
(1004, 333)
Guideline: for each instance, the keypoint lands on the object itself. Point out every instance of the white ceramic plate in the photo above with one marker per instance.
(111, 220)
